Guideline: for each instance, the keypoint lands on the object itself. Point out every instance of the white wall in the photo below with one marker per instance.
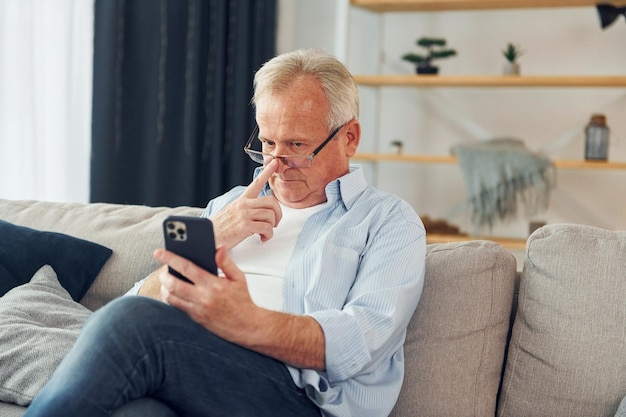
(565, 41)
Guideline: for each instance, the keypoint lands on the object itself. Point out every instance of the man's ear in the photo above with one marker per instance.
(353, 137)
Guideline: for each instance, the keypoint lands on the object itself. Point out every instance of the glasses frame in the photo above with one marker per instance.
(286, 159)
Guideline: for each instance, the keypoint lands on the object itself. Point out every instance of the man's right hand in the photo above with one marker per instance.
(249, 214)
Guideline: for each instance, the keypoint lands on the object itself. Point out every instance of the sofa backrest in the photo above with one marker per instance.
(457, 339)
(132, 232)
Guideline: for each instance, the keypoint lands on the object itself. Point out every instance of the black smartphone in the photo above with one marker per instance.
(191, 238)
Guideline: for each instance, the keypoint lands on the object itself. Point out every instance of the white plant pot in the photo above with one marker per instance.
(510, 68)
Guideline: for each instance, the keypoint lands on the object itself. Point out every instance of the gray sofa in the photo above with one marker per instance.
(485, 340)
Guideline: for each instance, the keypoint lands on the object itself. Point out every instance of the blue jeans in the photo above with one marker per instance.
(136, 347)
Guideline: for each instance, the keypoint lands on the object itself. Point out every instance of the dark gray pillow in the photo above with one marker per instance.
(39, 323)
(24, 250)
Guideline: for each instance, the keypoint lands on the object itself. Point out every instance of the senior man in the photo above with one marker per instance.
(319, 276)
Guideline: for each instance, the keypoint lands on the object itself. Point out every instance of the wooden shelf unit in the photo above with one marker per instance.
(439, 5)
(443, 159)
(509, 243)
(567, 81)
(482, 81)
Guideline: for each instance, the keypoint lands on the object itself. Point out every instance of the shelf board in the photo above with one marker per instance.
(414, 80)
(442, 159)
(509, 243)
(441, 5)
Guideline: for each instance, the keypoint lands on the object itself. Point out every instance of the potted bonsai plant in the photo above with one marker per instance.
(511, 54)
(435, 49)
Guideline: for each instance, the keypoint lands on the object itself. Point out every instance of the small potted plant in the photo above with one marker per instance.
(435, 49)
(396, 147)
(511, 54)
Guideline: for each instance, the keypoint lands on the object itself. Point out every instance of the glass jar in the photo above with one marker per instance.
(597, 138)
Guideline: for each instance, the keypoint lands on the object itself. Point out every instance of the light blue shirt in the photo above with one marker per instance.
(358, 269)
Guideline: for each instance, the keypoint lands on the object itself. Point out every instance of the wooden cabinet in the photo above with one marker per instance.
(480, 81)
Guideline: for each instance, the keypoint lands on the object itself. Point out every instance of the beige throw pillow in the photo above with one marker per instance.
(455, 344)
(567, 356)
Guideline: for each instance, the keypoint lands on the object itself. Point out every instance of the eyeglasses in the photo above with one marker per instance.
(292, 161)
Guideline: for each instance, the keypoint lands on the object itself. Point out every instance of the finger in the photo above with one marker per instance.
(159, 254)
(265, 209)
(164, 292)
(226, 264)
(255, 187)
(262, 221)
(175, 300)
(173, 291)
(166, 282)
(267, 234)
(181, 265)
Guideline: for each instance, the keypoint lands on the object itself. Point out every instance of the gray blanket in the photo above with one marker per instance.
(502, 174)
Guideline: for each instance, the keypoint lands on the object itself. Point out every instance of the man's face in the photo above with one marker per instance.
(294, 122)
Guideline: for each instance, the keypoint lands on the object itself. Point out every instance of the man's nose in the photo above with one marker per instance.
(282, 165)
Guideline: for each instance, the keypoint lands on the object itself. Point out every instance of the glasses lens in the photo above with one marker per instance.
(256, 157)
(254, 149)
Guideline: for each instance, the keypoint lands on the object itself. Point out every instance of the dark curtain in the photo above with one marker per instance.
(171, 97)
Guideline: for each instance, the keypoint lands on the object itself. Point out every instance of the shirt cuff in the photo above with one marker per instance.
(135, 289)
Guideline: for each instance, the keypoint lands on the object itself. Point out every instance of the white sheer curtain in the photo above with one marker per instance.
(46, 50)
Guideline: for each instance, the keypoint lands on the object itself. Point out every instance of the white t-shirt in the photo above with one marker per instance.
(264, 263)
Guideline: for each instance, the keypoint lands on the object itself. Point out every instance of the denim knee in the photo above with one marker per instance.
(132, 322)
(131, 312)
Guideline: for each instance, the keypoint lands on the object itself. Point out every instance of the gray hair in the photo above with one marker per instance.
(278, 74)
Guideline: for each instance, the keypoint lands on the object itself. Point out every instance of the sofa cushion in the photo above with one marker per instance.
(11, 410)
(39, 323)
(456, 340)
(567, 355)
(132, 232)
(24, 250)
